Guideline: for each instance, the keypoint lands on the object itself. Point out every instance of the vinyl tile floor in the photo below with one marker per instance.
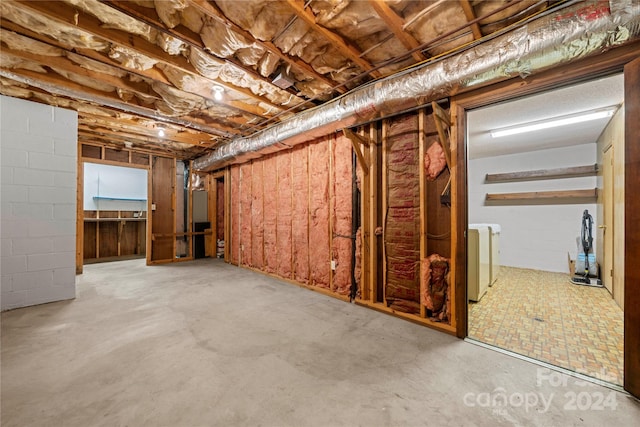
(544, 316)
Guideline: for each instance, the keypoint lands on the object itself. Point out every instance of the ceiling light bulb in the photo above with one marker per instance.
(555, 122)
(161, 133)
(217, 92)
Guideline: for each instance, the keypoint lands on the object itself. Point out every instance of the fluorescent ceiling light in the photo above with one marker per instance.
(553, 122)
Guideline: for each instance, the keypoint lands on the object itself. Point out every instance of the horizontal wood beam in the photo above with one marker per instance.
(560, 194)
(543, 173)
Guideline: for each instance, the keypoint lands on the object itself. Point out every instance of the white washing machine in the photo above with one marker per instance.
(494, 250)
(478, 261)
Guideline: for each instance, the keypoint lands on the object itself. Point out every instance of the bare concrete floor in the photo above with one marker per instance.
(208, 344)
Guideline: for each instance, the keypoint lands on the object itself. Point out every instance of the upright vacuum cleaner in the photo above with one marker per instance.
(586, 267)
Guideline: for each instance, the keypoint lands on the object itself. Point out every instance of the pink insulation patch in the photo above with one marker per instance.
(235, 214)
(283, 222)
(270, 213)
(402, 225)
(245, 214)
(434, 161)
(319, 252)
(300, 213)
(342, 192)
(257, 210)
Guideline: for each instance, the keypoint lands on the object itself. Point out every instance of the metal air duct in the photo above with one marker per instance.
(571, 34)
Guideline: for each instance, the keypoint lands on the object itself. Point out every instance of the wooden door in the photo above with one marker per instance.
(632, 228)
(606, 226)
(162, 209)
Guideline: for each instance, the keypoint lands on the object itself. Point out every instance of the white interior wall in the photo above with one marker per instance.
(38, 153)
(114, 182)
(535, 234)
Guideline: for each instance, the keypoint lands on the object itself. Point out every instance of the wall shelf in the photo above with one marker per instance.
(543, 174)
(561, 194)
(113, 219)
(126, 199)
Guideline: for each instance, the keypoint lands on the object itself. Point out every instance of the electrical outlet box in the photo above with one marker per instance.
(153, 206)
(333, 264)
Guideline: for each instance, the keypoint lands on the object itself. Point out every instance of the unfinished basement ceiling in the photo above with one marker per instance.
(207, 72)
(588, 96)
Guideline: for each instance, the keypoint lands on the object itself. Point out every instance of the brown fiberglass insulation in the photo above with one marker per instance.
(402, 224)
(434, 286)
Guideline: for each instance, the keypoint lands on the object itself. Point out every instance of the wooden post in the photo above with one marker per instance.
(366, 230)
(80, 212)
(227, 217)
(423, 201)
(385, 204)
(293, 274)
(331, 178)
(149, 211)
(458, 263)
(308, 212)
(374, 173)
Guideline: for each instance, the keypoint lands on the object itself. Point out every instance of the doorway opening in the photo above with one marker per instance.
(115, 212)
(527, 193)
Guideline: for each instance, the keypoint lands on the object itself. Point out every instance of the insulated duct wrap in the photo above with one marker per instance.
(560, 38)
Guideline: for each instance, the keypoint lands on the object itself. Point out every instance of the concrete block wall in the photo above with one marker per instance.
(38, 158)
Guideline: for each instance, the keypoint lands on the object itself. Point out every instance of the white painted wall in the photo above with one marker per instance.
(38, 154)
(114, 182)
(534, 235)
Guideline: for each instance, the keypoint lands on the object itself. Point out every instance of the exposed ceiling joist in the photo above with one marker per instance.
(182, 34)
(120, 125)
(395, 24)
(60, 63)
(61, 13)
(218, 67)
(151, 74)
(144, 145)
(211, 10)
(471, 17)
(60, 86)
(338, 42)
